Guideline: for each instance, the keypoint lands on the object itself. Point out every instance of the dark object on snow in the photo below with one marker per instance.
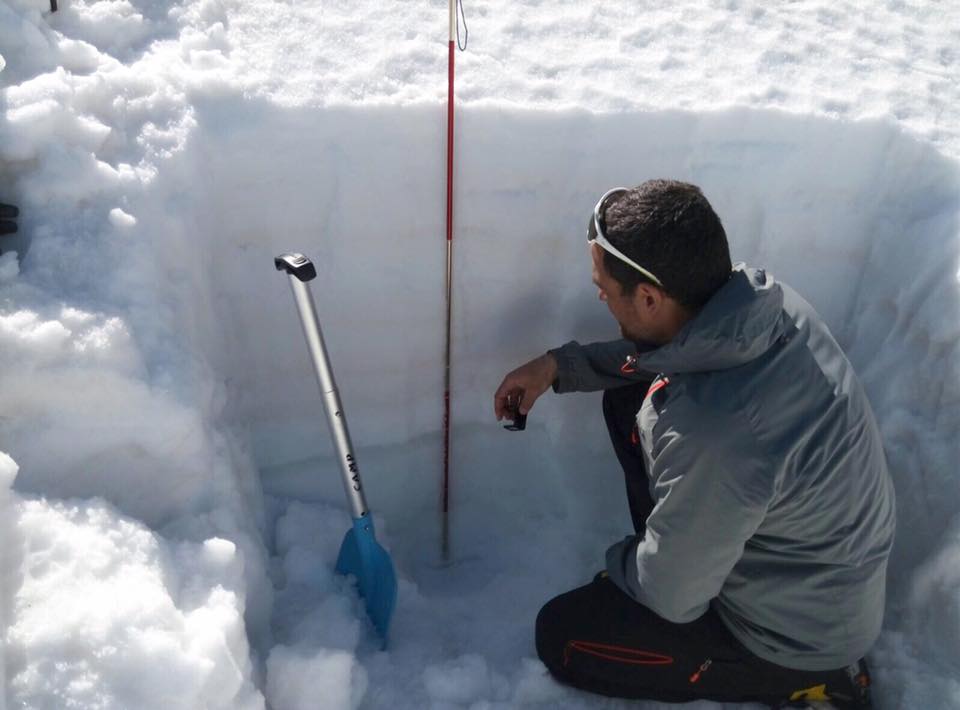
(519, 420)
(360, 554)
(53, 5)
(8, 213)
(519, 423)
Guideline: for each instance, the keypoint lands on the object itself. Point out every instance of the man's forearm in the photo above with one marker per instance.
(595, 366)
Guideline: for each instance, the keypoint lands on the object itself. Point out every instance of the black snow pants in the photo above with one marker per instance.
(598, 639)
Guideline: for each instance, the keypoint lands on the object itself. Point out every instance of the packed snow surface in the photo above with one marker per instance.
(169, 506)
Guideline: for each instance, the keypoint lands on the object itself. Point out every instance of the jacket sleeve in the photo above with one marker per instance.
(597, 366)
(712, 485)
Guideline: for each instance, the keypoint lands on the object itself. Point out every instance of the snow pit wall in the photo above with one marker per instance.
(860, 218)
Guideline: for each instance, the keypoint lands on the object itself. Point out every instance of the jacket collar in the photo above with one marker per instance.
(740, 323)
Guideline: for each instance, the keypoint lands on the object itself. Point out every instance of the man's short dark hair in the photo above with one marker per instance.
(669, 228)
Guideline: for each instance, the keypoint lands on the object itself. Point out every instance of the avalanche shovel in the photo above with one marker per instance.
(360, 554)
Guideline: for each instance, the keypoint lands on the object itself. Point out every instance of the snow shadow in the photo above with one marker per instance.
(860, 218)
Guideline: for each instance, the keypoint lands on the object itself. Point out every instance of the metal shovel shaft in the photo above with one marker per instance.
(331, 398)
(360, 554)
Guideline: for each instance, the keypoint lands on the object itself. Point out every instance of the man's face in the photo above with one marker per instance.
(623, 308)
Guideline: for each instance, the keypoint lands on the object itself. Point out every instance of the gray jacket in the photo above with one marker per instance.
(772, 499)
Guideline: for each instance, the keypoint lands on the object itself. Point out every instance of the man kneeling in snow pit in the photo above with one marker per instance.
(755, 475)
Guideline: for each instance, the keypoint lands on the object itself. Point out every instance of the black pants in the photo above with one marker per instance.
(599, 639)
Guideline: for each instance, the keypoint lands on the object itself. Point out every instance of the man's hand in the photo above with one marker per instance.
(524, 385)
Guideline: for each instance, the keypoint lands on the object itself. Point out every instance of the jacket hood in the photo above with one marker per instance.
(740, 323)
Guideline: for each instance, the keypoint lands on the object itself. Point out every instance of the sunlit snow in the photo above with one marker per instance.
(169, 508)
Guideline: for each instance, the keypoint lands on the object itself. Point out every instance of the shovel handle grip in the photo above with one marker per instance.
(296, 265)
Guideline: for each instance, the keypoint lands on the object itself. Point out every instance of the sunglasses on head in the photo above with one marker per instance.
(595, 234)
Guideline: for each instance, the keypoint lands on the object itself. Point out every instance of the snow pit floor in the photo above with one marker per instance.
(462, 632)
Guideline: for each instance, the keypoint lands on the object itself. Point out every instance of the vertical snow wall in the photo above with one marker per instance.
(860, 218)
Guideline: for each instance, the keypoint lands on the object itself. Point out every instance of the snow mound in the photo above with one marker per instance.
(108, 614)
(303, 681)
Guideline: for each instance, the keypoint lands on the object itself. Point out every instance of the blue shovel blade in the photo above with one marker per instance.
(363, 557)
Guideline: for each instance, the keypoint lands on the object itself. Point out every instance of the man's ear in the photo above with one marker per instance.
(648, 298)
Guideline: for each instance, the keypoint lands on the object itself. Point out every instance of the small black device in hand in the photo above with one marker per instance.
(513, 411)
(8, 213)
